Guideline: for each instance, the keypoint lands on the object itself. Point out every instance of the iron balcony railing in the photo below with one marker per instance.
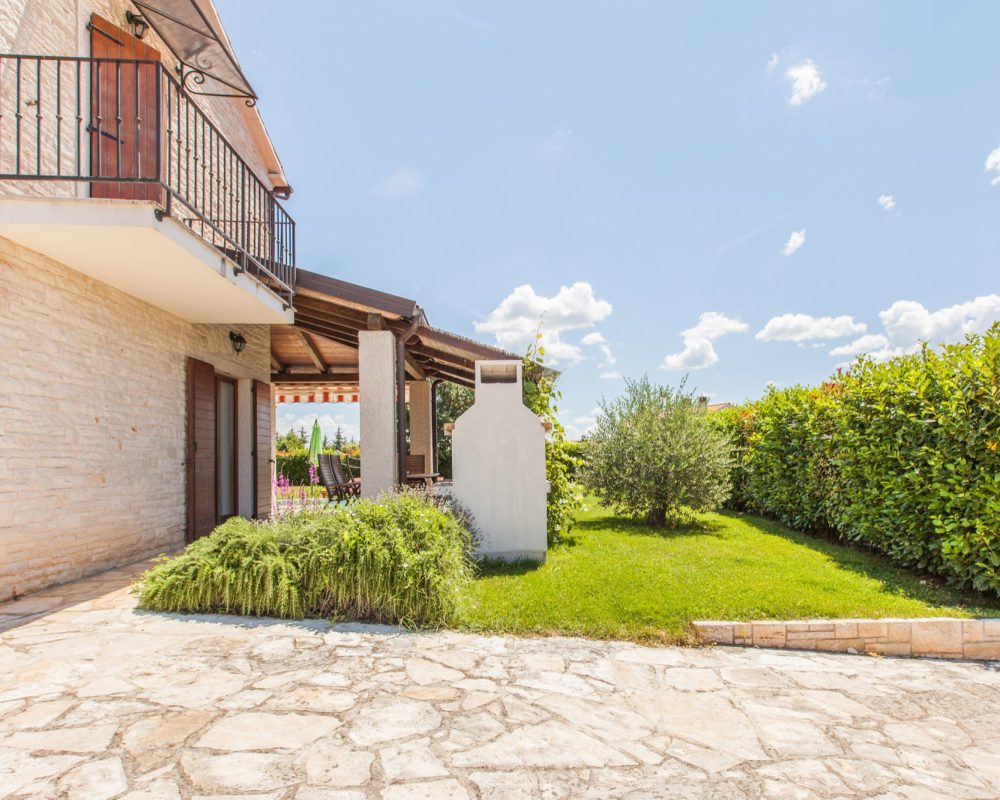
(129, 130)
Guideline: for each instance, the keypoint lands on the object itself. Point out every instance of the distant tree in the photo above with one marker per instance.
(452, 401)
(290, 442)
(339, 440)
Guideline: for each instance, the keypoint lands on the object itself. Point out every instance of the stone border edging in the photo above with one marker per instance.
(928, 637)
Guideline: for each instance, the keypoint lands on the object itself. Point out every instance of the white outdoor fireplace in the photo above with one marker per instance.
(498, 462)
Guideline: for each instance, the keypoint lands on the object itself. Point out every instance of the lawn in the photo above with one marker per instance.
(623, 580)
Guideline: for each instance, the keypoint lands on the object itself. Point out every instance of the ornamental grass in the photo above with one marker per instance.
(399, 559)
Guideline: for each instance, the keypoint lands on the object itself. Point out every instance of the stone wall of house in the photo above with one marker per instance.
(58, 27)
(93, 420)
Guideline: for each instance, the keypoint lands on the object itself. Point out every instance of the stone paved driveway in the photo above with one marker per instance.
(100, 701)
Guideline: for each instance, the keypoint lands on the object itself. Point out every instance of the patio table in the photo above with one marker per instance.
(422, 478)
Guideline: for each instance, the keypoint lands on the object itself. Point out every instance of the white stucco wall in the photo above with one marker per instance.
(498, 462)
(377, 390)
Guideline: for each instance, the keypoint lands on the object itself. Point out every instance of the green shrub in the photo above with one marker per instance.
(294, 466)
(541, 395)
(452, 401)
(399, 560)
(901, 455)
(578, 452)
(656, 453)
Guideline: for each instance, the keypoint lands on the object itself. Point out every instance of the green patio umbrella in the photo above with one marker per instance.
(315, 444)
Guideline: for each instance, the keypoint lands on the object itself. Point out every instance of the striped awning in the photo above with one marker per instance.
(316, 394)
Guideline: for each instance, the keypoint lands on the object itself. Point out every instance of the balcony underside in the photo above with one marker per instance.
(160, 261)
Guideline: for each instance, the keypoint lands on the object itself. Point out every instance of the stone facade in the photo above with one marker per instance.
(93, 421)
(941, 637)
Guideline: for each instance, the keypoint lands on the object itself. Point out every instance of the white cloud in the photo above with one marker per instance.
(713, 324)
(698, 350)
(610, 376)
(697, 354)
(993, 165)
(403, 182)
(887, 201)
(802, 327)
(558, 143)
(795, 241)
(772, 62)
(907, 323)
(596, 339)
(515, 321)
(582, 425)
(865, 344)
(876, 86)
(806, 81)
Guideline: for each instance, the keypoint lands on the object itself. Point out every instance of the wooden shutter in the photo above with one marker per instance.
(201, 421)
(261, 450)
(123, 115)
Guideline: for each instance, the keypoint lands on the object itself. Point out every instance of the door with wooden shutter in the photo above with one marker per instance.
(124, 114)
(201, 445)
(261, 450)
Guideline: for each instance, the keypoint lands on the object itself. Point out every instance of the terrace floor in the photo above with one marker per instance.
(98, 701)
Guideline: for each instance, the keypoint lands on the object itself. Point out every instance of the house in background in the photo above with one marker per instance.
(150, 302)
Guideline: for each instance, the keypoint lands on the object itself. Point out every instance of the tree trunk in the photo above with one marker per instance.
(657, 517)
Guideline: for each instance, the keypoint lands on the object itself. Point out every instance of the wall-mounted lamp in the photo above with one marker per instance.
(238, 342)
(137, 23)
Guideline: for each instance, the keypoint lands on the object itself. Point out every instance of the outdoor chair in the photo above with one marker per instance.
(338, 487)
(416, 472)
(353, 467)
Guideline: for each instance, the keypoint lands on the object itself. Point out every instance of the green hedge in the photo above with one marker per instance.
(294, 466)
(903, 456)
(400, 560)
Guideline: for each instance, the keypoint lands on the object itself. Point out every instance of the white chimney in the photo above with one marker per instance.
(498, 463)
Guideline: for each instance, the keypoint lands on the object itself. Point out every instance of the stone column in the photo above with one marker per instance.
(421, 424)
(377, 389)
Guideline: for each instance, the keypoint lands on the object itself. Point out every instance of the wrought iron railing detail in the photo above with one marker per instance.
(130, 130)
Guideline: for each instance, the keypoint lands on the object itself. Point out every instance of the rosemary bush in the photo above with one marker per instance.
(399, 559)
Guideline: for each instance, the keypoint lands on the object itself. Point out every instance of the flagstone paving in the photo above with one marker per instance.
(99, 701)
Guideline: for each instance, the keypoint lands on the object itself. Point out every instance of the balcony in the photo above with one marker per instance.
(81, 135)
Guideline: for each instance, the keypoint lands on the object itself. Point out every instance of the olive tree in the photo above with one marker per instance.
(655, 454)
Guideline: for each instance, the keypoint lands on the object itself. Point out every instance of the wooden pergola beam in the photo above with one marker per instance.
(439, 356)
(312, 350)
(347, 376)
(346, 316)
(319, 319)
(330, 333)
(450, 374)
(414, 368)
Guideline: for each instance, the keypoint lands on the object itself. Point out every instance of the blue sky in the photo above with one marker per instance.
(740, 192)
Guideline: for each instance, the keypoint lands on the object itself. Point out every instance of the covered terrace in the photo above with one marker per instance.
(352, 344)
